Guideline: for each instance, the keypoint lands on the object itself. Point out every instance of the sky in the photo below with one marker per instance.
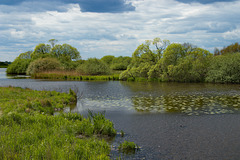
(115, 27)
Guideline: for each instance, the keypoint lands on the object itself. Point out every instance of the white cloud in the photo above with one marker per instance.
(99, 34)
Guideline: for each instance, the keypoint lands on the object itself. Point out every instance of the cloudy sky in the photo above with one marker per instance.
(115, 27)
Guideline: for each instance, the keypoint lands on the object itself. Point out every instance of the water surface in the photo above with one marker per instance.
(168, 120)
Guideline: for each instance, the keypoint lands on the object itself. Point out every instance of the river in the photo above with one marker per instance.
(167, 120)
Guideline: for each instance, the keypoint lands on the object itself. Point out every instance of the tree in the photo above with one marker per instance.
(120, 63)
(52, 42)
(65, 52)
(108, 59)
(41, 51)
(20, 64)
(93, 66)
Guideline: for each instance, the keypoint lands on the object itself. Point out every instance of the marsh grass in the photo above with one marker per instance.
(28, 130)
(128, 147)
(72, 75)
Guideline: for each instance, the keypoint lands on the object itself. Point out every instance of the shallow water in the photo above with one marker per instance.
(168, 120)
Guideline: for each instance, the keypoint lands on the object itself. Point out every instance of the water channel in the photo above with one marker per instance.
(167, 120)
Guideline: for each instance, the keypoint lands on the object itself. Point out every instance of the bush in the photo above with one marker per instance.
(225, 69)
(93, 66)
(19, 66)
(43, 65)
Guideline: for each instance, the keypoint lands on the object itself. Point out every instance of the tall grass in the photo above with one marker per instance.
(28, 130)
(71, 75)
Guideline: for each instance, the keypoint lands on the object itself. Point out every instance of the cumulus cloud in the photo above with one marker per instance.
(96, 34)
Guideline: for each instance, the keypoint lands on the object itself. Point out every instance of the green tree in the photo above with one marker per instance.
(52, 42)
(108, 59)
(65, 52)
(20, 64)
(120, 63)
(93, 66)
(41, 51)
(224, 69)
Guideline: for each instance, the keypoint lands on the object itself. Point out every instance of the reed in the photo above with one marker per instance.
(72, 75)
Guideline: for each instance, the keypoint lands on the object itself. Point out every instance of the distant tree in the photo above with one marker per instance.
(65, 52)
(233, 48)
(120, 63)
(41, 51)
(52, 42)
(216, 52)
(108, 59)
(20, 64)
(93, 66)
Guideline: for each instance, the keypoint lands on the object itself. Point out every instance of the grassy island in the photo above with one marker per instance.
(30, 130)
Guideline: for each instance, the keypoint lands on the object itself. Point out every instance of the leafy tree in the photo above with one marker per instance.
(43, 65)
(120, 63)
(41, 51)
(144, 58)
(52, 42)
(225, 69)
(65, 52)
(108, 59)
(20, 64)
(93, 66)
(233, 48)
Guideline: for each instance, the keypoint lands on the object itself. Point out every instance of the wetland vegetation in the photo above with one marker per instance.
(29, 130)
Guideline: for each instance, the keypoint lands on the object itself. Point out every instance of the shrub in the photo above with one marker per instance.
(19, 66)
(225, 69)
(43, 65)
(93, 66)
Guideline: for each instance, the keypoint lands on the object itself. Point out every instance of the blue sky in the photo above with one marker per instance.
(115, 27)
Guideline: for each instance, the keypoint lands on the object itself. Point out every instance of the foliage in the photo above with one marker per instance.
(233, 48)
(176, 62)
(43, 65)
(93, 66)
(41, 51)
(120, 63)
(225, 69)
(108, 59)
(20, 64)
(65, 52)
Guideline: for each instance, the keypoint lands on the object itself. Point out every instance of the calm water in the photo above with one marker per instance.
(168, 120)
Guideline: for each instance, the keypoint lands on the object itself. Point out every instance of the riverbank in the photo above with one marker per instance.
(58, 75)
(28, 129)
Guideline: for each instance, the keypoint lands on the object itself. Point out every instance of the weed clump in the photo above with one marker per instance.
(128, 147)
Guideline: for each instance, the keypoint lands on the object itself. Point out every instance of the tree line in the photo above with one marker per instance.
(57, 57)
(173, 62)
(154, 60)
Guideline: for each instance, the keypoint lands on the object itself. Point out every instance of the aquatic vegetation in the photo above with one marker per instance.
(28, 130)
(128, 147)
(188, 104)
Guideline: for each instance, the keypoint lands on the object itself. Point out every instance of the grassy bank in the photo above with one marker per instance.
(74, 76)
(28, 130)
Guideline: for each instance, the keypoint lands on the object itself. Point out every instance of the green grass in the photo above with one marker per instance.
(128, 147)
(75, 76)
(28, 130)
